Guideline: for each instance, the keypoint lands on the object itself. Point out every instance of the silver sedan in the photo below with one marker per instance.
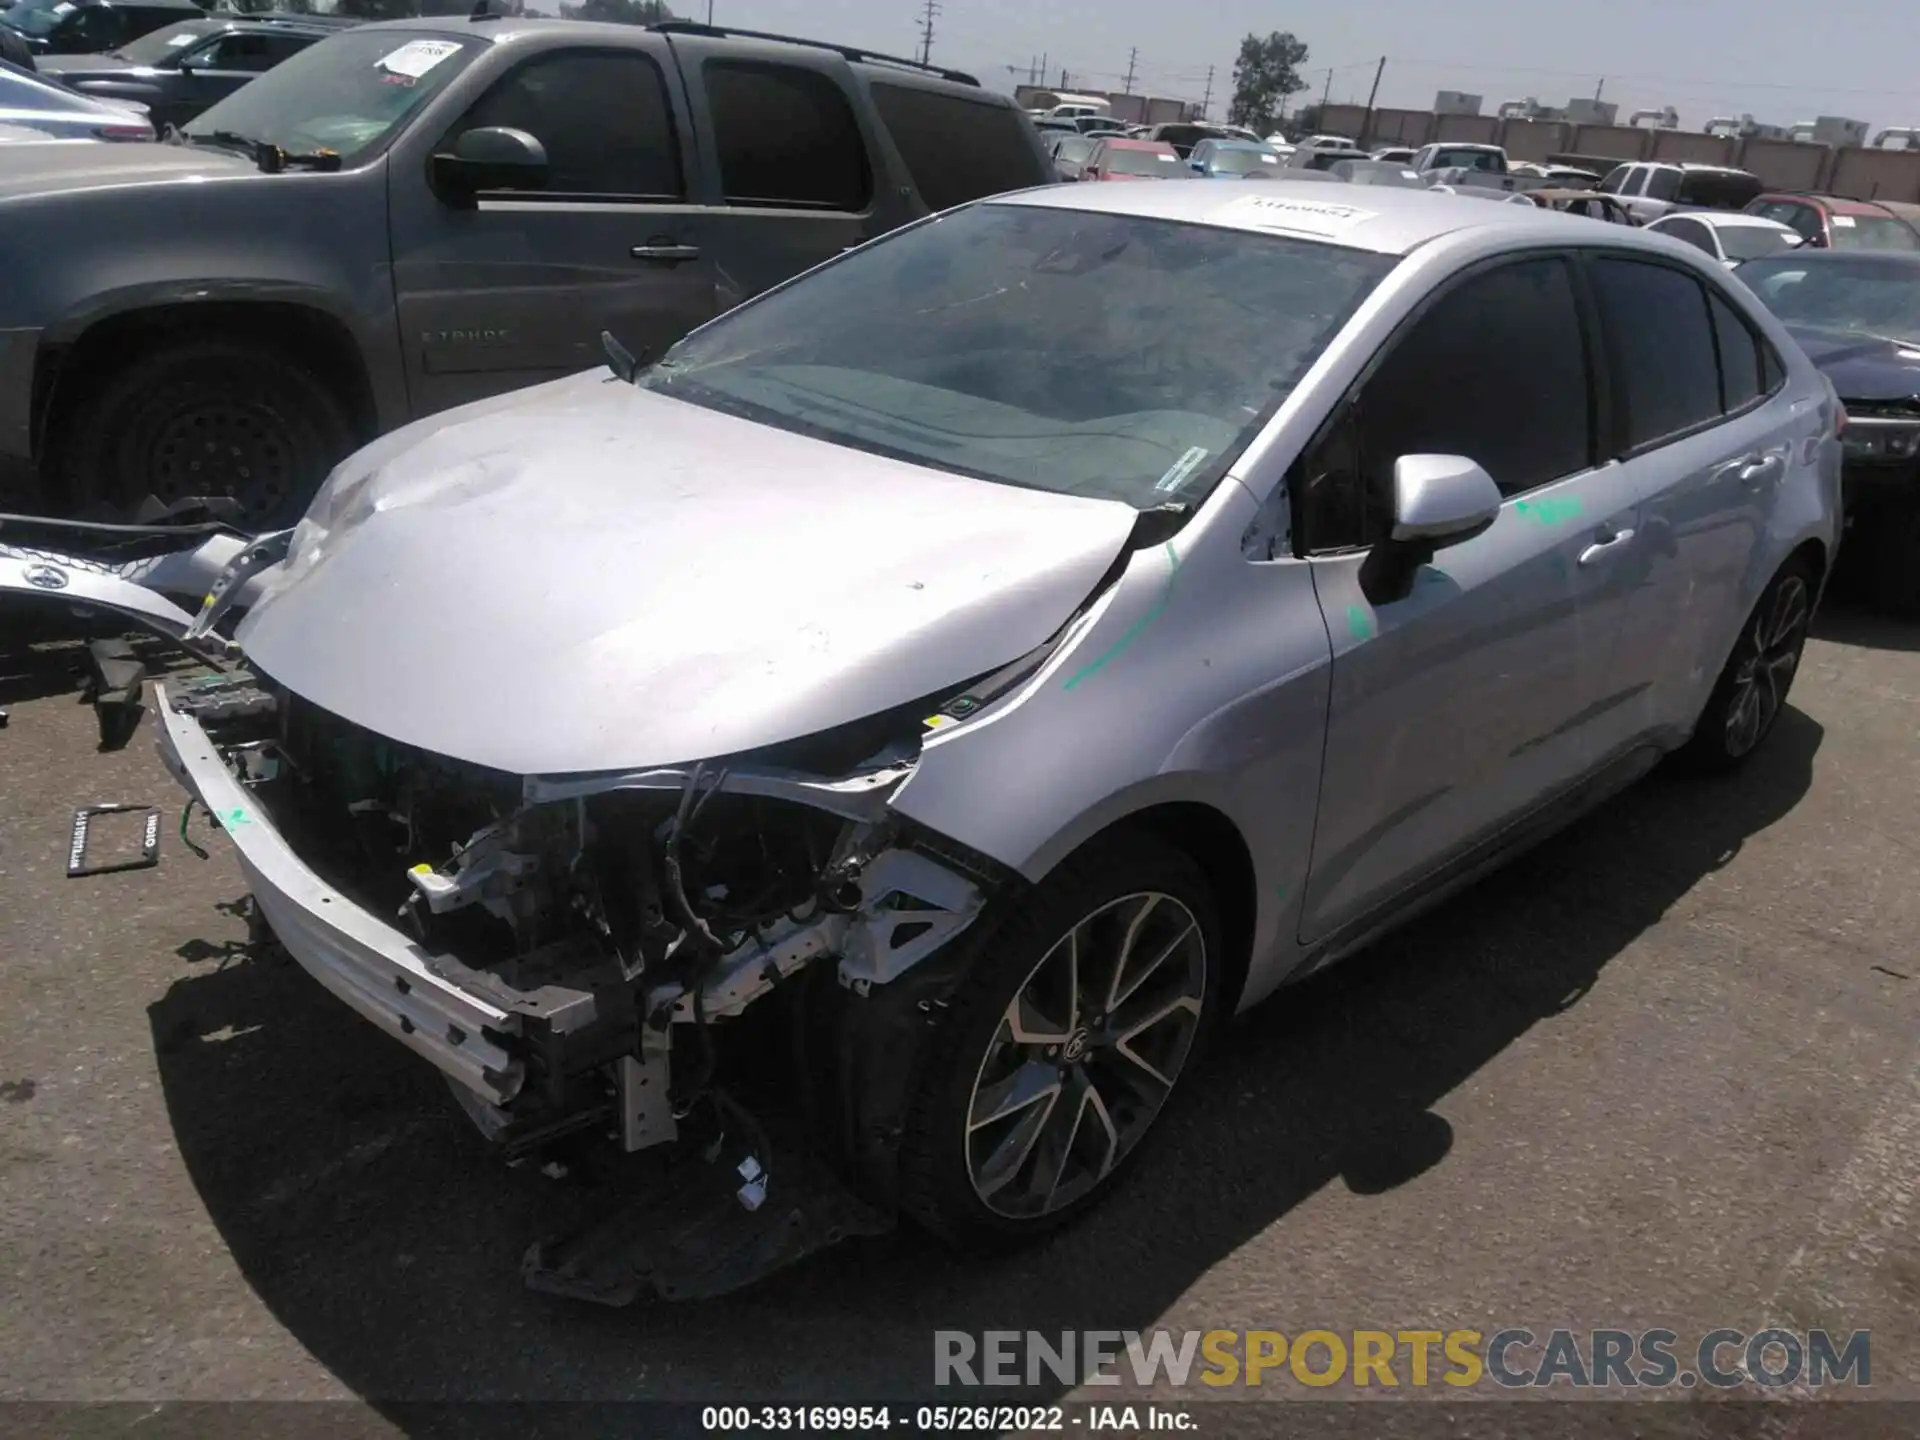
(951, 685)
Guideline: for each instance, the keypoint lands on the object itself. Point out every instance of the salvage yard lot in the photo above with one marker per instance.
(1658, 1072)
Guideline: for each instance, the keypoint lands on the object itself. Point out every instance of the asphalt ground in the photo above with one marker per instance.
(1664, 1071)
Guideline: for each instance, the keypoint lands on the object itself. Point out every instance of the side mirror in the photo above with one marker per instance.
(1438, 500)
(492, 157)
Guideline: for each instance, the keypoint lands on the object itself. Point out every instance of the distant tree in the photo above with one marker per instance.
(620, 12)
(1265, 74)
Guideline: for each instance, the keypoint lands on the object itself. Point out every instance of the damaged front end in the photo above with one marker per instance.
(703, 960)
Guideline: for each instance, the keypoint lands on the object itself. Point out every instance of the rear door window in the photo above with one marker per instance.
(1663, 184)
(786, 137)
(1665, 372)
(1742, 376)
(603, 117)
(957, 149)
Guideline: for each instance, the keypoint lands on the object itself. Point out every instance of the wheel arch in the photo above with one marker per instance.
(80, 358)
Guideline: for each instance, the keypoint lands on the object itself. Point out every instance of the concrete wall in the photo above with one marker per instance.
(1876, 174)
(1683, 146)
(1399, 127)
(1342, 120)
(1784, 164)
(1534, 139)
(1620, 142)
(1468, 129)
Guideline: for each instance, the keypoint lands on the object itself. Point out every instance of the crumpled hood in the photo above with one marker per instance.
(1862, 367)
(592, 577)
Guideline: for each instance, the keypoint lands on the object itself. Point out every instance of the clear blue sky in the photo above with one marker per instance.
(1780, 62)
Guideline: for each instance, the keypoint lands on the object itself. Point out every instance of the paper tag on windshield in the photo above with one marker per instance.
(1169, 159)
(416, 57)
(187, 39)
(1269, 159)
(1845, 222)
(1306, 217)
(1182, 468)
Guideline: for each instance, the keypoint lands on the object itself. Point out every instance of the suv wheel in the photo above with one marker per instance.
(203, 419)
(1752, 689)
(1082, 1011)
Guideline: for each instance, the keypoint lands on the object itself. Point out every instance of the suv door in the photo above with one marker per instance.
(1659, 185)
(1484, 692)
(1704, 430)
(518, 289)
(790, 164)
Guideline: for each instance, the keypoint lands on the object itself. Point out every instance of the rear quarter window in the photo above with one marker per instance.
(956, 149)
(786, 137)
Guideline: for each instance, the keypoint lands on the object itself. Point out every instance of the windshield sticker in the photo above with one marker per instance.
(1169, 159)
(177, 41)
(1311, 217)
(416, 57)
(1845, 222)
(1182, 468)
(1269, 159)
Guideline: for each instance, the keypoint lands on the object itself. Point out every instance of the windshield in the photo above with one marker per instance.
(1873, 232)
(1750, 242)
(346, 94)
(1141, 162)
(37, 17)
(1467, 160)
(1870, 296)
(154, 49)
(1242, 162)
(1091, 354)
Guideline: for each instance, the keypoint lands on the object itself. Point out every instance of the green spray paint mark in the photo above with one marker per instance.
(1360, 622)
(1553, 510)
(1095, 666)
(1280, 892)
(232, 819)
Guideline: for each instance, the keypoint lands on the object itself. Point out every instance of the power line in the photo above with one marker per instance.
(928, 10)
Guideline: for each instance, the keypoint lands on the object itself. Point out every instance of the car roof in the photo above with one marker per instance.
(1385, 219)
(1116, 142)
(1838, 204)
(1725, 219)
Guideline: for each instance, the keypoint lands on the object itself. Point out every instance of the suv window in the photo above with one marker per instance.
(786, 137)
(1495, 370)
(1664, 364)
(1718, 189)
(956, 149)
(249, 52)
(602, 115)
(1663, 184)
(1616, 180)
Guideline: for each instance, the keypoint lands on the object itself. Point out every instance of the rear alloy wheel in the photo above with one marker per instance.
(1752, 689)
(1081, 1015)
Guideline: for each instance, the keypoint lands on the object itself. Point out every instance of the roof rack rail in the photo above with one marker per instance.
(847, 52)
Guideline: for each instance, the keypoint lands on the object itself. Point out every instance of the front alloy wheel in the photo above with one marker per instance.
(1085, 1055)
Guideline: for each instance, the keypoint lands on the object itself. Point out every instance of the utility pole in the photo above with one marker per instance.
(1326, 94)
(1598, 88)
(1206, 101)
(927, 11)
(1366, 125)
(1133, 57)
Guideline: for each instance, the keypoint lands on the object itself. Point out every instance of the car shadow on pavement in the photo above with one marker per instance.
(384, 1236)
(1853, 622)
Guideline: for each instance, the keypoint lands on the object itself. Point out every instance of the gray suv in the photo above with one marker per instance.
(411, 215)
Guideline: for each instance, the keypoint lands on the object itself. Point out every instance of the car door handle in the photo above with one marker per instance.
(664, 254)
(1757, 470)
(1600, 549)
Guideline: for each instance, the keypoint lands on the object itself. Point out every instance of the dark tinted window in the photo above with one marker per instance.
(1691, 231)
(1663, 184)
(1740, 382)
(1720, 189)
(786, 137)
(1496, 371)
(958, 150)
(250, 52)
(1615, 179)
(602, 117)
(1657, 322)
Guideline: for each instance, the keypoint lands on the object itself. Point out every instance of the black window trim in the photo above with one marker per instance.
(571, 197)
(1618, 430)
(1599, 385)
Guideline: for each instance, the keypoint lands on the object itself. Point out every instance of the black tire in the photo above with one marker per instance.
(938, 1189)
(209, 417)
(1895, 560)
(1758, 674)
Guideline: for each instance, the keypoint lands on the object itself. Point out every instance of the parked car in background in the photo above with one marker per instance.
(1560, 177)
(33, 107)
(1099, 125)
(1489, 159)
(1120, 158)
(1588, 203)
(1071, 153)
(1395, 155)
(1373, 172)
(179, 70)
(1729, 236)
(436, 210)
(1857, 316)
(1320, 157)
(1329, 142)
(1316, 664)
(84, 27)
(1653, 190)
(1233, 159)
(1182, 135)
(1832, 222)
(1234, 132)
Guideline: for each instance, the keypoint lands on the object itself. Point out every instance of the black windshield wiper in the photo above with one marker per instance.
(269, 157)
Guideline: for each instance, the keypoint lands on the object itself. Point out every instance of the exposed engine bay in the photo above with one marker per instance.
(627, 922)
